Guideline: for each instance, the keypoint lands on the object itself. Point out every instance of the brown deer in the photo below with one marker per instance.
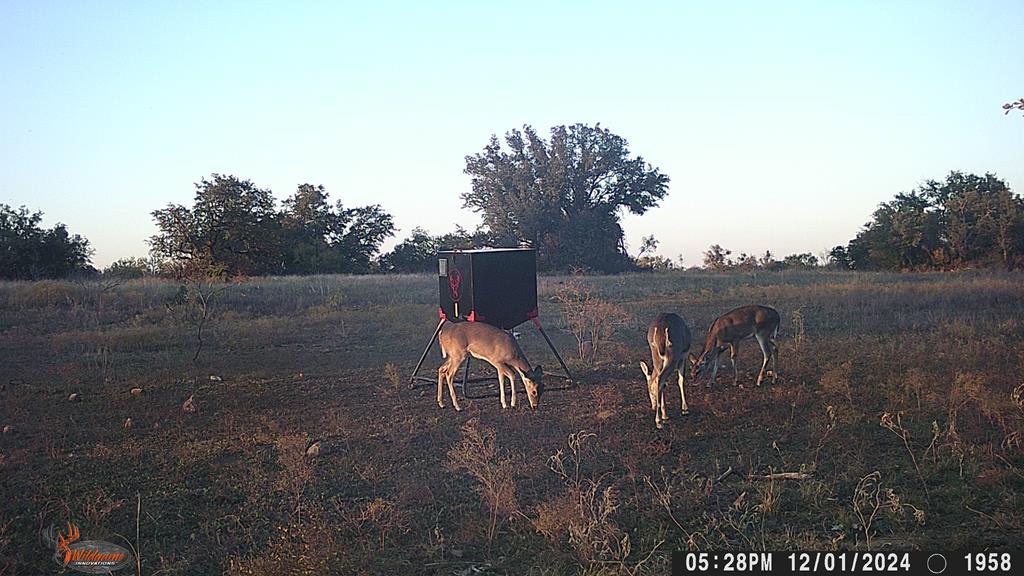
(669, 338)
(728, 330)
(496, 347)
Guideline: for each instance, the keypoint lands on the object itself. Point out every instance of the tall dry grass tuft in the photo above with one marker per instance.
(867, 502)
(835, 383)
(296, 473)
(970, 390)
(894, 424)
(582, 514)
(477, 455)
(871, 498)
(385, 516)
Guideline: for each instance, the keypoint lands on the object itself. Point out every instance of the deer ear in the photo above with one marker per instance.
(643, 367)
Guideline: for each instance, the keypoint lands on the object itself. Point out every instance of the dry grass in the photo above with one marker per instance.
(900, 395)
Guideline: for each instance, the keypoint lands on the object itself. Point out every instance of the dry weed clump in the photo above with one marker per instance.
(969, 389)
(392, 376)
(672, 487)
(386, 518)
(835, 385)
(477, 455)
(870, 498)
(918, 387)
(582, 514)
(591, 320)
(295, 472)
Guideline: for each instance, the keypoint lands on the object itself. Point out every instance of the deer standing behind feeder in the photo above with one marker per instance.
(483, 295)
(496, 347)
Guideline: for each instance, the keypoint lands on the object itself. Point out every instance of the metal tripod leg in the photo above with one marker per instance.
(536, 322)
(423, 357)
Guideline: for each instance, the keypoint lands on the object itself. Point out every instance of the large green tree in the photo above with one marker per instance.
(320, 239)
(564, 195)
(31, 252)
(963, 221)
(978, 215)
(418, 252)
(234, 229)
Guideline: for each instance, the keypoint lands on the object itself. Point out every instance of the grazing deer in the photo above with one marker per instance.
(669, 337)
(496, 347)
(759, 322)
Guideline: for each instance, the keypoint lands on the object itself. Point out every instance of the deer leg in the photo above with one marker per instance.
(775, 355)
(512, 385)
(657, 415)
(501, 388)
(714, 372)
(451, 391)
(654, 391)
(765, 351)
(735, 370)
(682, 392)
(660, 409)
(450, 369)
(662, 381)
(442, 374)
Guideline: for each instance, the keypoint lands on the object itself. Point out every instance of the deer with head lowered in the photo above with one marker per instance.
(493, 345)
(728, 330)
(669, 338)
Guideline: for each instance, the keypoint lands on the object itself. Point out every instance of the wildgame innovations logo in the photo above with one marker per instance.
(88, 556)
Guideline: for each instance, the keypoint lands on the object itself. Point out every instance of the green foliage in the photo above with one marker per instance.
(418, 252)
(563, 196)
(319, 239)
(965, 221)
(720, 259)
(234, 229)
(717, 258)
(647, 260)
(30, 252)
(804, 260)
(131, 268)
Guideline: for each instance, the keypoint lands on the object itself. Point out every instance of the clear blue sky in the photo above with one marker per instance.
(781, 124)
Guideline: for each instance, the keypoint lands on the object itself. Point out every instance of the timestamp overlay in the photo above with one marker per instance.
(848, 562)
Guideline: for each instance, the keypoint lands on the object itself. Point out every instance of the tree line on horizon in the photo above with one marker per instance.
(964, 221)
(563, 195)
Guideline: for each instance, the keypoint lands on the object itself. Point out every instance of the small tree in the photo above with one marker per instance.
(647, 259)
(319, 239)
(804, 260)
(717, 258)
(417, 253)
(130, 268)
(30, 252)
(591, 320)
(232, 229)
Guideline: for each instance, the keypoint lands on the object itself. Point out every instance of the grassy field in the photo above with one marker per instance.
(899, 397)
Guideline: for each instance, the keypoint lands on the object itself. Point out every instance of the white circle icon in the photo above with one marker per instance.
(936, 563)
